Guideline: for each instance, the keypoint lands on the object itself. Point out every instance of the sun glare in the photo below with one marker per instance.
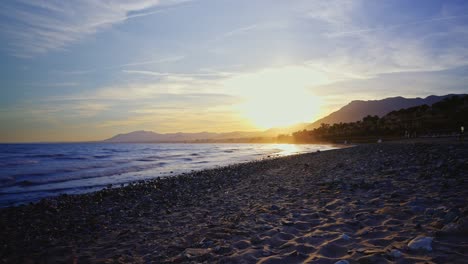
(287, 149)
(279, 108)
(278, 97)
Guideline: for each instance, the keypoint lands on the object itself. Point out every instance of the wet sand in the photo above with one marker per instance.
(378, 203)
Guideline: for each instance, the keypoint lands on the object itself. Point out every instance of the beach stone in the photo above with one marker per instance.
(208, 243)
(450, 228)
(458, 227)
(333, 251)
(418, 209)
(196, 252)
(255, 240)
(395, 253)
(421, 242)
(449, 217)
(274, 207)
(429, 211)
(375, 258)
(440, 212)
(265, 227)
(462, 225)
(241, 244)
(345, 237)
(223, 249)
(342, 262)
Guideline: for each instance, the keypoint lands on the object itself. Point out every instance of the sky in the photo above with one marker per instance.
(87, 69)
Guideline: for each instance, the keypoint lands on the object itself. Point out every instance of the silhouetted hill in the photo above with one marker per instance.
(443, 118)
(149, 136)
(358, 109)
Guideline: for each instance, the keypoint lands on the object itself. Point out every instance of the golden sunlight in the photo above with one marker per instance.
(287, 149)
(277, 109)
(278, 97)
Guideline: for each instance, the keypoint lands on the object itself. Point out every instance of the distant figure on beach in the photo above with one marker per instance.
(462, 131)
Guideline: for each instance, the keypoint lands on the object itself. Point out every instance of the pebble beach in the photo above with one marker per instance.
(375, 203)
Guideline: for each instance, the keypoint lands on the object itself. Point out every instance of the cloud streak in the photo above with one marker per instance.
(37, 27)
(363, 53)
(168, 74)
(390, 27)
(169, 59)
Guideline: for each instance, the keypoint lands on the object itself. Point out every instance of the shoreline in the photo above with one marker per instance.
(148, 164)
(356, 204)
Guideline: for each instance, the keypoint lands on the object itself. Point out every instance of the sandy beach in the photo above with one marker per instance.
(377, 203)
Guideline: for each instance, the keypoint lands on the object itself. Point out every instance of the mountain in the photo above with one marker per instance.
(444, 118)
(356, 110)
(149, 136)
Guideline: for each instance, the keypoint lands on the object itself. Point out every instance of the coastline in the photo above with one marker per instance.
(365, 203)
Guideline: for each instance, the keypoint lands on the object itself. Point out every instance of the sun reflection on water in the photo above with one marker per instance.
(288, 149)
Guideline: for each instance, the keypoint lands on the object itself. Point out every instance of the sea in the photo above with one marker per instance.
(30, 172)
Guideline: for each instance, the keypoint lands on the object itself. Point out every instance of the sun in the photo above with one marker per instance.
(280, 108)
(278, 97)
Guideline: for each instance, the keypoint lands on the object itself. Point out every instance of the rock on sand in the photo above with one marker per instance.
(421, 242)
(342, 262)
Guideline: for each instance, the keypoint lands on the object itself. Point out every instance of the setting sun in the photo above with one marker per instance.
(278, 96)
(280, 108)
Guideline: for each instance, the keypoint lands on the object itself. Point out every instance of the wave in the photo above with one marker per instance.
(102, 156)
(47, 155)
(56, 190)
(88, 175)
(18, 162)
(73, 158)
(117, 150)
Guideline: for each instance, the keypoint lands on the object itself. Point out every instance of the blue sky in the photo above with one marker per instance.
(86, 70)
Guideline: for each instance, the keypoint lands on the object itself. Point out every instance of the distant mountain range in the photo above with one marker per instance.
(351, 112)
(149, 136)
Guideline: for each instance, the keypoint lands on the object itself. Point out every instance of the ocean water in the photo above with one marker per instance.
(29, 172)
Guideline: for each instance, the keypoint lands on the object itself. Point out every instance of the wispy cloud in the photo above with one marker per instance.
(40, 26)
(168, 74)
(254, 27)
(279, 24)
(54, 84)
(363, 53)
(169, 59)
(336, 12)
(157, 61)
(390, 27)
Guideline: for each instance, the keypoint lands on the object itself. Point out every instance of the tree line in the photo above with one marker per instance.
(442, 118)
